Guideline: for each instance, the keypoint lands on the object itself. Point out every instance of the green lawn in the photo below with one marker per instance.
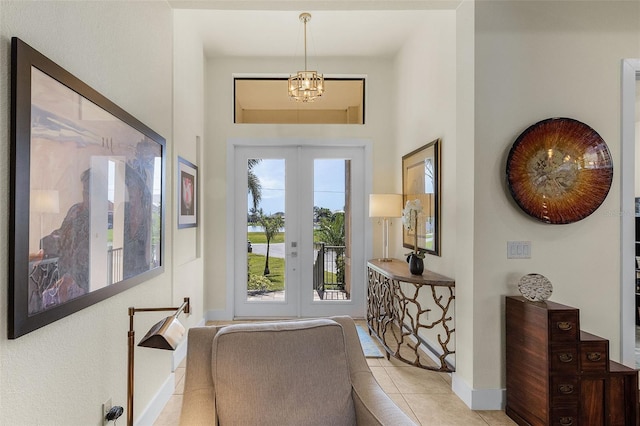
(276, 267)
(260, 238)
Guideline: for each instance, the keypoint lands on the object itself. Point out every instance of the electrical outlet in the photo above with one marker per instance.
(105, 409)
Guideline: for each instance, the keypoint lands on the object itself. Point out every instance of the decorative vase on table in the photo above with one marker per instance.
(416, 264)
(410, 220)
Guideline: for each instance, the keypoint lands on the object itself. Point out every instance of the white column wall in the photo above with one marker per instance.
(62, 373)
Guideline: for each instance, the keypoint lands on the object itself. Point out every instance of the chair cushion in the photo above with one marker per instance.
(284, 373)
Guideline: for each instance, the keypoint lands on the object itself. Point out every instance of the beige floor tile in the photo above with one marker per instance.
(402, 403)
(496, 418)
(410, 380)
(170, 415)
(392, 362)
(442, 410)
(374, 362)
(383, 379)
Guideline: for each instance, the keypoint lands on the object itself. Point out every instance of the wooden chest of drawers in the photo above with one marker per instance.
(560, 375)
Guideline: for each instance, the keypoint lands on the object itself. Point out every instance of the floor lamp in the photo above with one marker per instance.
(385, 206)
(44, 201)
(166, 334)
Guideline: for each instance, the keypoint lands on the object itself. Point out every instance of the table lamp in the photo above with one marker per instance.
(385, 206)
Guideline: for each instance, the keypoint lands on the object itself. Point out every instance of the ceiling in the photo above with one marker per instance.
(338, 28)
(272, 28)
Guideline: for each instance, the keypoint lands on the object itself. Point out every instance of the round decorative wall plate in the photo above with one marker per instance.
(559, 170)
(535, 287)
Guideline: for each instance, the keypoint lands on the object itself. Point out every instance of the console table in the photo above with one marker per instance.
(399, 307)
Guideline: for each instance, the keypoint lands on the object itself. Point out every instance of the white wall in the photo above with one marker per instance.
(188, 132)
(425, 110)
(465, 172)
(62, 373)
(535, 60)
(427, 64)
(219, 128)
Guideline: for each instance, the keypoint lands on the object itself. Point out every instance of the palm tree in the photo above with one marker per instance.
(331, 232)
(255, 188)
(271, 225)
(320, 212)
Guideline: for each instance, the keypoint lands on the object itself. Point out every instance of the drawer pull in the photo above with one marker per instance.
(566, 421)
(565, 325)
(565, 357)
(566, 389)
(594, 356)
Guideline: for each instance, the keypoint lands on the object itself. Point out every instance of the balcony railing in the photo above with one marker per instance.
(328, 268)
(114, 265)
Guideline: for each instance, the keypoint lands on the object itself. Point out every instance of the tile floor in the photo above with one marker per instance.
(424, 395)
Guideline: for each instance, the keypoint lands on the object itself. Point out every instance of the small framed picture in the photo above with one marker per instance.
(187, 194)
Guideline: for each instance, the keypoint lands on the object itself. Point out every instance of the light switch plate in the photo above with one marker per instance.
(518, 249)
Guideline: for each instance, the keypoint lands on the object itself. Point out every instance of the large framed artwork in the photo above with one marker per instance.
(421, 181)
(87, 195)
(187, 194)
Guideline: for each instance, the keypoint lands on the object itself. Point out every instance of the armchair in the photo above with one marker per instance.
(302, 372)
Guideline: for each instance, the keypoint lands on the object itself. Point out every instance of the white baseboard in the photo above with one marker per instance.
(219, 315)
(154, 408)
(478, 399)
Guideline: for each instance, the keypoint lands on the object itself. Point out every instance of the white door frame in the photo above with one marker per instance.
(630, 74)
(229, 311)
(289, 307)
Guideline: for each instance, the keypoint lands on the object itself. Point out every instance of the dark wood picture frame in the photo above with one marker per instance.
(87, 195)
(187, 191)
(421, 180)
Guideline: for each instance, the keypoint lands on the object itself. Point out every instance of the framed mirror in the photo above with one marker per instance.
(421, 181)
(87, 195)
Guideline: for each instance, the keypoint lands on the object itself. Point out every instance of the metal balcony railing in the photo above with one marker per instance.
(328, 268)
(114, 265)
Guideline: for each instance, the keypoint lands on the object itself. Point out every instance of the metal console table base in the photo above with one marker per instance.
(395, 315)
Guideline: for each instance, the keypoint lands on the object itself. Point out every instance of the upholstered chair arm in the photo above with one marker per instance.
(373, 406)
(198, 406)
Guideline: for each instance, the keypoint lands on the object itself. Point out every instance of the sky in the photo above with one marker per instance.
(328, 184)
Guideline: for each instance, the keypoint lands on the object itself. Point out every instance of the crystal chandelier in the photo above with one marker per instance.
(306, 85)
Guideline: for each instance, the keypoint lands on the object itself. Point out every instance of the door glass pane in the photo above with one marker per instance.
(265, 230)
(331, 218)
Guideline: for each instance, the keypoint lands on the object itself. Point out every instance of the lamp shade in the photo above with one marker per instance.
(45, 201)
(166, 334)
(385, 205)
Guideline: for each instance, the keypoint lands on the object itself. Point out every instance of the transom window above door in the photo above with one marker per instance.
(266, 101)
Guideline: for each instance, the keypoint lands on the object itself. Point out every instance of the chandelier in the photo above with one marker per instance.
(306, 85)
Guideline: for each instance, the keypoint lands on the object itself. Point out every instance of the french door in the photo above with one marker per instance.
(299, 231)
